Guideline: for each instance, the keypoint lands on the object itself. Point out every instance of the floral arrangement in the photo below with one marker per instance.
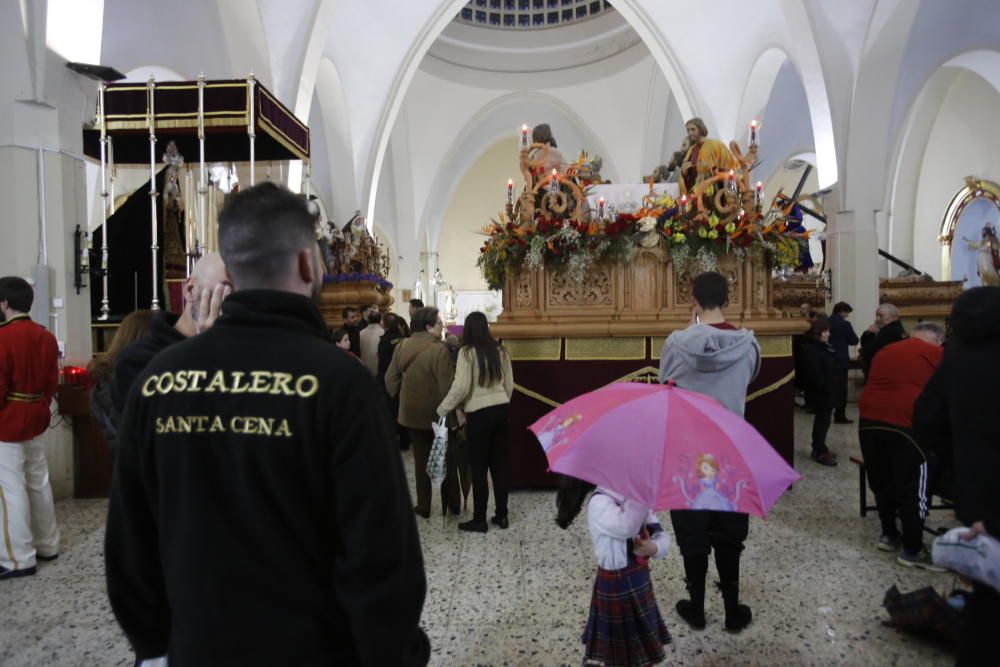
(696, 231)
(354, 277)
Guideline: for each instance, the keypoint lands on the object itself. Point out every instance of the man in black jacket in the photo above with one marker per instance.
(886, 330)
(842, 337)
(259, 514)
(956, 412)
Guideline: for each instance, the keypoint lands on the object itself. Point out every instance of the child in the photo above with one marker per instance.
(624, 626)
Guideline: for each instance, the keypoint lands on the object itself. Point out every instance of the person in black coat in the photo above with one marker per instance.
(817, 367)
(955, 415)
(886, 330)
(394, 335)
(842, 337)
(259, 513)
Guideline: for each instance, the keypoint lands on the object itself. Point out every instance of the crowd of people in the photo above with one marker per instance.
(238, 428)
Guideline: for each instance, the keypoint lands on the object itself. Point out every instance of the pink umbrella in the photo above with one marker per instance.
(664, 447)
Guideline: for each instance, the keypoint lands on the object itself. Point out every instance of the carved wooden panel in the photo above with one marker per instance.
(644, 271)
(524, 290)
(597, 290)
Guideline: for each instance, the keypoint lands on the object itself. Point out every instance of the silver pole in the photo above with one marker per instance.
(308, 178)
(202, 169)
(251, 122)
(106, 242)
(151, 121)
(102, 120)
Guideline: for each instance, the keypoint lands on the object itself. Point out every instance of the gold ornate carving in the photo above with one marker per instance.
(534, 349)
(596, 291)
(525, 296)
(645, 375)
(605, 349)
(775, 346)
(907, 293)
(790, 294)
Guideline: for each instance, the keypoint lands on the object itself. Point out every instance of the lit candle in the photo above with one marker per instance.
(524, 137)
(731, 181)
(600, 208)
(759, 195)
(554, 183)
(510, 190)
(753, 133)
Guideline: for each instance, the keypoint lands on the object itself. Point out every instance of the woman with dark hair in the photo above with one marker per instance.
(484, 382)
(421, 372)
(393, 336)
(818, 367)
(100, 370)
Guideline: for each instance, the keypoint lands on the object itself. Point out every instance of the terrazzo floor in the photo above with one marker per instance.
(811, 574)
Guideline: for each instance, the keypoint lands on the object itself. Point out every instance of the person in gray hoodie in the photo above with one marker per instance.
(712, 357)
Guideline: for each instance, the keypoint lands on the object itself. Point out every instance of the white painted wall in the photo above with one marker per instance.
(965, 141)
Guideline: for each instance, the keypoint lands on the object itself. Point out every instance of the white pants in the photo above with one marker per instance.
(27, 513)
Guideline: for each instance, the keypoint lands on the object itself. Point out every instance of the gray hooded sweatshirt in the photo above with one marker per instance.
(711, 361)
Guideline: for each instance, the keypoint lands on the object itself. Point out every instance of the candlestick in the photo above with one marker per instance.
(731, 181)
(753, 133)
(524, 137)
(600, 208)
(554, 183)
(510, 191)
(759, 194)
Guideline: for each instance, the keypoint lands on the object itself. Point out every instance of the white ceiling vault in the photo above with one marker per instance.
(373, 74)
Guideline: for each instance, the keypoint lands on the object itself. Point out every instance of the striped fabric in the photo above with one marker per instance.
(625, 626)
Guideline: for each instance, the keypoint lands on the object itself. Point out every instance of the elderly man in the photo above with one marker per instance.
(204, 291)
(29, 371)
(886, 330)
(259, 513)
(896, 462)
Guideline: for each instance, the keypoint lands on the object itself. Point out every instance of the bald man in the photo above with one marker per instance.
(886, 330)
(204, 291)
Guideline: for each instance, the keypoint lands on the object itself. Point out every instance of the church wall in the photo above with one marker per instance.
(964, 141)
(477, 199)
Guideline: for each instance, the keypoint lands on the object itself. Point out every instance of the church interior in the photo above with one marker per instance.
(462, 152)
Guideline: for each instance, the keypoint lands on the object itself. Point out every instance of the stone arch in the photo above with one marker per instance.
(633, 12)
(908, 157)
(758, 88)
(488, 126)
(339, 153)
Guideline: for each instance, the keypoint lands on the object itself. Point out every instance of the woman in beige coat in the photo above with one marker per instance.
(483, 386)
(421, 372)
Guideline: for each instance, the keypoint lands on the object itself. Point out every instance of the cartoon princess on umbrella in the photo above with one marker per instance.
(710, 495)
(556, 431)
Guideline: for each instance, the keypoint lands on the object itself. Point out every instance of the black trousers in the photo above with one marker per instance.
(840, 394)
(698, 532)
(821, 421)
(489, 432)
(897, 475)
(451, 495)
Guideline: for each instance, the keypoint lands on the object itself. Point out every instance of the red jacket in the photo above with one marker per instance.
(29, 372)
(897, 377)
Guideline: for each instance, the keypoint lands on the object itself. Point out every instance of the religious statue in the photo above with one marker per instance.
(989, 256)
(545, 155)
(705, 157)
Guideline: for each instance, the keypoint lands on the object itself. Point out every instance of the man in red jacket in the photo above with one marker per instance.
(29, 371)
(895, 461)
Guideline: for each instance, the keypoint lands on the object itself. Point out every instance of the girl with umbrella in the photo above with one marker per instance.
(624, 626)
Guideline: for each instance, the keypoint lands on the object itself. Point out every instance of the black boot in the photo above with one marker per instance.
(693, 610)
(727, 561)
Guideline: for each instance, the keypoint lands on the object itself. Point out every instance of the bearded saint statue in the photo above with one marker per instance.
(704, 158)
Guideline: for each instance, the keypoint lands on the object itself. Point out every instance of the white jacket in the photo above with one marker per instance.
(613, 521)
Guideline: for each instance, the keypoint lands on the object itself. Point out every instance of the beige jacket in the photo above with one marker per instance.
(429, 372)
(467, 378)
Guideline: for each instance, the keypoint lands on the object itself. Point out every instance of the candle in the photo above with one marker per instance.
(510, 191)
(753, 133)
(600, 208)
(524, 137)
(554, 183)
(731, 181)
(759, 194)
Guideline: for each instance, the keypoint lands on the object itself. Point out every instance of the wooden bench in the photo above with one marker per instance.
(864, 507)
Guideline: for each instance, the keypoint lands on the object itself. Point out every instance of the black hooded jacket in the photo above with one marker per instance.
(957, 409)
(135, 356)
(259, 513)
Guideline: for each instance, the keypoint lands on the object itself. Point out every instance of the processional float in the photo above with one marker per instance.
(244, 121)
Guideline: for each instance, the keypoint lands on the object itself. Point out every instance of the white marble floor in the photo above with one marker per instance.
(519, 597)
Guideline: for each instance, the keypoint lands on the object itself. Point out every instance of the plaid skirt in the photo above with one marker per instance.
(625, 626)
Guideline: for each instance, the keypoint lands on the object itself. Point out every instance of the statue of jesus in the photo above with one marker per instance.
(705, 157)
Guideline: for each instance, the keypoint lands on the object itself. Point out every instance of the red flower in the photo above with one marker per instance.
(720, 240)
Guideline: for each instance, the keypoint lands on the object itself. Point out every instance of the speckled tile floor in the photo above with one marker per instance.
(519, 597)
